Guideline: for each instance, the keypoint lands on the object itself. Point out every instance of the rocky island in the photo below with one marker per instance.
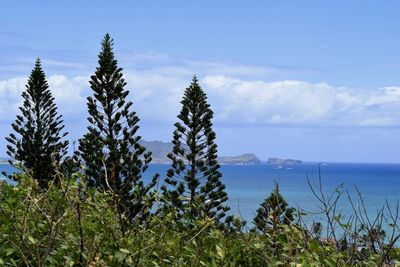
(160, 151)
(245, 159)
(278, 161)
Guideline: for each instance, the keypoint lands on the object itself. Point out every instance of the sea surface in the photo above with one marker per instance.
(249, 185)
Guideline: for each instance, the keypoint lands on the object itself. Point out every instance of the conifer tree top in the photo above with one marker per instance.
(108, 82)
(37, 83)
(38, 65)
(273, 211)
(106, 55)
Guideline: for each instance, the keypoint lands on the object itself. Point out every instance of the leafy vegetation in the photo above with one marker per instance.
(71, 224)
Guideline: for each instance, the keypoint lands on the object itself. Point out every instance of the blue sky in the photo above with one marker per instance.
(314, 80)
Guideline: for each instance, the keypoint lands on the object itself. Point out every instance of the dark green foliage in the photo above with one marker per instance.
(36, 144)
(110, 150)
(193, 184)
(273, 212)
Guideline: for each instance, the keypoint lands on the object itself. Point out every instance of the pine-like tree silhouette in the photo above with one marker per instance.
(110, 150)
(37, 143)
(273, 212)
(193, 184)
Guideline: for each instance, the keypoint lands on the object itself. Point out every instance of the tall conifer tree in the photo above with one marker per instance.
(110, 150)
(37, 143)
(193, 184)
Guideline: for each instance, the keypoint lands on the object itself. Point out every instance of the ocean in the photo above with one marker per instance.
(248, 185)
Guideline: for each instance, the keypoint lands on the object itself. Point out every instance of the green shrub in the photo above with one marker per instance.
(70, 225)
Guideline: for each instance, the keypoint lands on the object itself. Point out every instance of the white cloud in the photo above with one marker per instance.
(69, 93)
(10, 94)
(385, 96)
(303, 103)
(156, 93)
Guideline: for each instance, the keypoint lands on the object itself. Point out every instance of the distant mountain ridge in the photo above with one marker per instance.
(160, 151)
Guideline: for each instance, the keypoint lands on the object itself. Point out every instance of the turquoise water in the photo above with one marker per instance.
(248, 186)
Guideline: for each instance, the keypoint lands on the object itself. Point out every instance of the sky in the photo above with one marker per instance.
(310, 80)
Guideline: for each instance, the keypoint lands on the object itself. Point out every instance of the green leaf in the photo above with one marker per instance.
(330, 262)
(220, 252)
(31, 239)
(124, 250)
(119, 256)
(9, 251)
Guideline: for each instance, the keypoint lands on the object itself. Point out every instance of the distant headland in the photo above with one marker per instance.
(161, 149)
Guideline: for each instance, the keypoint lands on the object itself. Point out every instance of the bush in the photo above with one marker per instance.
(70, 225)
